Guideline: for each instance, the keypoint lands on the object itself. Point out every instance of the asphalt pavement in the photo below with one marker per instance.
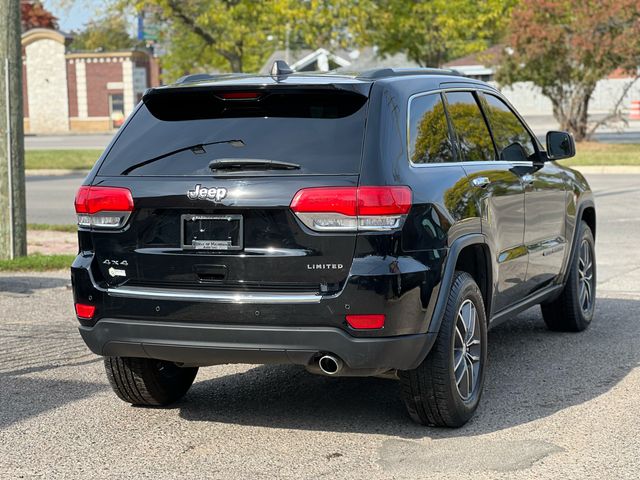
(556, 405)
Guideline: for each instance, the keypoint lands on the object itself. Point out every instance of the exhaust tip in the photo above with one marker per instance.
(330, 365)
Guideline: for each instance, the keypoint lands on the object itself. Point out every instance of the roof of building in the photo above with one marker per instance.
(36, 34)
(359, 60)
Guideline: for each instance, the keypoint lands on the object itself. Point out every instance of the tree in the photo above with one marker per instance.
(432, 32)
(239, 35)
(107, 33)
(565, 47)
(34, 15)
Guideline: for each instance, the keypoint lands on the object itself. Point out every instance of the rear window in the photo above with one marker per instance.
(321, 131)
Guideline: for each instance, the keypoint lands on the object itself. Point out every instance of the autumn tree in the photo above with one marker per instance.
(432, 32)
(566, 47)
(34, 15)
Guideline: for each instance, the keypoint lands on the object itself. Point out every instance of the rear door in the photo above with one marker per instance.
(198, 227)
(499, 192)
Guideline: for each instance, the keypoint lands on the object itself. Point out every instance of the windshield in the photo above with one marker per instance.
(322, 133)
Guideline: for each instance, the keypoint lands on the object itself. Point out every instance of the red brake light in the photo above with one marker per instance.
(239, 95)
(103, 199)
(85, 311)
(362, 322)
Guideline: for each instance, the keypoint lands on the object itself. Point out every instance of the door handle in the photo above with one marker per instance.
(480, 182)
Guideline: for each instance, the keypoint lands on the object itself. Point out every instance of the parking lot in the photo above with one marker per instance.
(556, 405)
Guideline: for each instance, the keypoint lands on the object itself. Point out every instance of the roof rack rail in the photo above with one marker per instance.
(403, 72)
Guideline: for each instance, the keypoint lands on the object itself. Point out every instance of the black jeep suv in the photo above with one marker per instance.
(371, 224)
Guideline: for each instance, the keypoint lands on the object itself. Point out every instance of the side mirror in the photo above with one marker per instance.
(560, 145)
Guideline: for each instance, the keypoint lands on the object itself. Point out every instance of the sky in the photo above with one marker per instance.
(73, 14)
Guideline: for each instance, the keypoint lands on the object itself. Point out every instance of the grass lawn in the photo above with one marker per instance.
(594, 153)
(52, 228)
(61, 159)
(37, 262)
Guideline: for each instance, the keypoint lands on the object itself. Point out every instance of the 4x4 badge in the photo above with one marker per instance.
(213, 194)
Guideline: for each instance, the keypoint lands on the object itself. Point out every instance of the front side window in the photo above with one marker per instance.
(513, 141)
(429, 140)
(474, 140)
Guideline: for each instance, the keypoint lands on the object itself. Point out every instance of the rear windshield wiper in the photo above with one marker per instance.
(251, 164)
(197, 148)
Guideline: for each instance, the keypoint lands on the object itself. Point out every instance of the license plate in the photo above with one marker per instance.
(211, 232)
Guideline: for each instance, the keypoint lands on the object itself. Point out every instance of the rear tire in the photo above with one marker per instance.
(435, 393)
(573, 310)
(148, 382)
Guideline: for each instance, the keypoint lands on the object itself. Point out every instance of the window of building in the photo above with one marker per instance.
(116, 109)
(429, 138)
(474, 140)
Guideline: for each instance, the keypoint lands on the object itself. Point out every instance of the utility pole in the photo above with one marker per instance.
(13, 241)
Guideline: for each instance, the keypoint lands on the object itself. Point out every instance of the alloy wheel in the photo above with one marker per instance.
(467, 350)
(585, 277)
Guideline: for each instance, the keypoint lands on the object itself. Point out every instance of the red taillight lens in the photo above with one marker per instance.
(91, 202)
(330, 199)
(103, 199)
(352, 208)
(85, 311)
(362, 322)
(384, 200)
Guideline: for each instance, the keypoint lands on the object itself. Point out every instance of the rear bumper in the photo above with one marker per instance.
(204, 344)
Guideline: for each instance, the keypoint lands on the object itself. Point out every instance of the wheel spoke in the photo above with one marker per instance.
(464, 325)
(583, 294)
(472, 322)
(469, 379)
(457, 363)
(473, 358)
(460, 337)
(460, 375)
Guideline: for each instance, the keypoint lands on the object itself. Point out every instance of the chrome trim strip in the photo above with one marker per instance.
(236, 297)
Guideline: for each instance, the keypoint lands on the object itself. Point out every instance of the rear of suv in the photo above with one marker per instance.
(358, 225)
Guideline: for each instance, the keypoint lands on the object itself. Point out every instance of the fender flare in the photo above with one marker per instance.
(586, 203)
(447, 276)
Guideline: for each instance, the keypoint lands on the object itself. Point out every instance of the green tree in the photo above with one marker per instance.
(107, 33)
(565, 47)
(432, 32)
(239, 35)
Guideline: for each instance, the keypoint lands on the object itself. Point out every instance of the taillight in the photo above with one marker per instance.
(85, 311)
(352, 208)
(103, 207)
(362, 322)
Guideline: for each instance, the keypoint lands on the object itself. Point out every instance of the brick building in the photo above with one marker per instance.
(80, 91)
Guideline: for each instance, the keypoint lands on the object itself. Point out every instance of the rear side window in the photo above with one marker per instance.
(320, 131)
(511, 137)
(474, 140)
(429, 139)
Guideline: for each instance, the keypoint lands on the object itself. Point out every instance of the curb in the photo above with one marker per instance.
(54, 172)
